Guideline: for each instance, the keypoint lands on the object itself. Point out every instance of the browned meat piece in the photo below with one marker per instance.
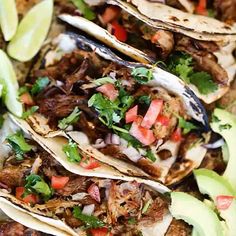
(204, 60)
(148, 166)
(17, 229)
(226, 10)
(178, 228)
(13, 175)
(114, 151)
(71, 220)
(74, 185)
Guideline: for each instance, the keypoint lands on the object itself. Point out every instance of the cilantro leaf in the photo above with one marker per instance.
(132, 221)
(181, 64)
(146, 206)
(150, 155)
(23, 90)
(225, 126)
(203, 81)
(39, 85)
(36, 184)
(104, 80)
(19, 145)
(130, 139)
(84, 9)
(90, 221)
(144, 100)
(72, 118)
(29, 112)
(185, 125)
(142, 74)
(72, 152)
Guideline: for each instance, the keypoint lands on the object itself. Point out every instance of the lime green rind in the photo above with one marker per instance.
(229, 134)
(10, 85)
(8, 18)
(196, 213)
(32, 32)
(212, 184)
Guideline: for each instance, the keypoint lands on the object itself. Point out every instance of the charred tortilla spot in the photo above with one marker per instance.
(174, 18)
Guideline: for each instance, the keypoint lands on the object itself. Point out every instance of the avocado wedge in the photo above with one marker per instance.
(212, 184)
(196, 213)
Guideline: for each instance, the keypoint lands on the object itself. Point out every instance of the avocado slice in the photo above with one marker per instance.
(224, 123)
(196, 213)
(212, 184)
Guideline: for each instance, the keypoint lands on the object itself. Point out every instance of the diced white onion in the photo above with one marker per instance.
(132, 153)
(217, 144)
(88, 209)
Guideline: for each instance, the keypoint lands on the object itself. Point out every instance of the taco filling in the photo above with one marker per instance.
(86, 204)
(120, 114)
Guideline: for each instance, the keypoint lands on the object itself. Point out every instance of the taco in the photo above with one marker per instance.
(198, 49)
(39, 192)
(105, 104)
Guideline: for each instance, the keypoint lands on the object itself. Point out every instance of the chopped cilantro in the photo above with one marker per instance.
(132, 221)
(225, 126)
(144, 100)
(185, 125)
(146, 206)
(215, 119)
(72, 152)
(211, 13)
(23, 90)
(72, 118)
(181, 64)
(84, 9)
(36, 184)
(150, 155)
(19, 145)
(131, 140)
(142, 74)
(90, 221)
(1, 121)
(204, 83)
(104, 80)
(29, 112)
(39, 85)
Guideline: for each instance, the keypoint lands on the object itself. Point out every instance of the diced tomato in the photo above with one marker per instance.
(131, 114)
(30, 198)
(110, 14)
(94, 192)
(223, 202)
(145, 136)
(89, 163)
(201, 8)
(26, 99)
(100, 232)
(176, 136)
(119, 31)
(109, 91)
(59, 182)
(152, 113)
(163, 120)
(156, 37)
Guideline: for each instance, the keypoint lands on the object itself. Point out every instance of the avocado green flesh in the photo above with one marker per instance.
(196, 213)
(225, 125)
(212, 184)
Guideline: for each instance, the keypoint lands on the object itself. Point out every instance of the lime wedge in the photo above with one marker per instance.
(31, 32)
(10, 85)
(8, 18)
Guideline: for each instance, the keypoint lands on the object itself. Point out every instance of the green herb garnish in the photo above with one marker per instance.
(39, 85)
(84, 9)
(72, 118)
(185, 125)
(225, 126)
(132, 221)
(150, 155)
(72, 152)
(144, 100)
(1, 121)
(142, 74)
(19, 145)
(90, 221)
(29, 112)
(104, 80)
(36, 184)
(146, 206)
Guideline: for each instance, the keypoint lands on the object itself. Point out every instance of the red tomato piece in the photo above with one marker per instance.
(223, 202)
(94, 192)
(109, 91)
(110, 14)
(202, 7)
(100, 232)
(89, 163)
(156, 37)
(163, 120)
(119, 31)
(145, 136)
(59, 182)
(176, 136)
(152, 113)
(30, 198)
(131, 114)
(26, 99)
